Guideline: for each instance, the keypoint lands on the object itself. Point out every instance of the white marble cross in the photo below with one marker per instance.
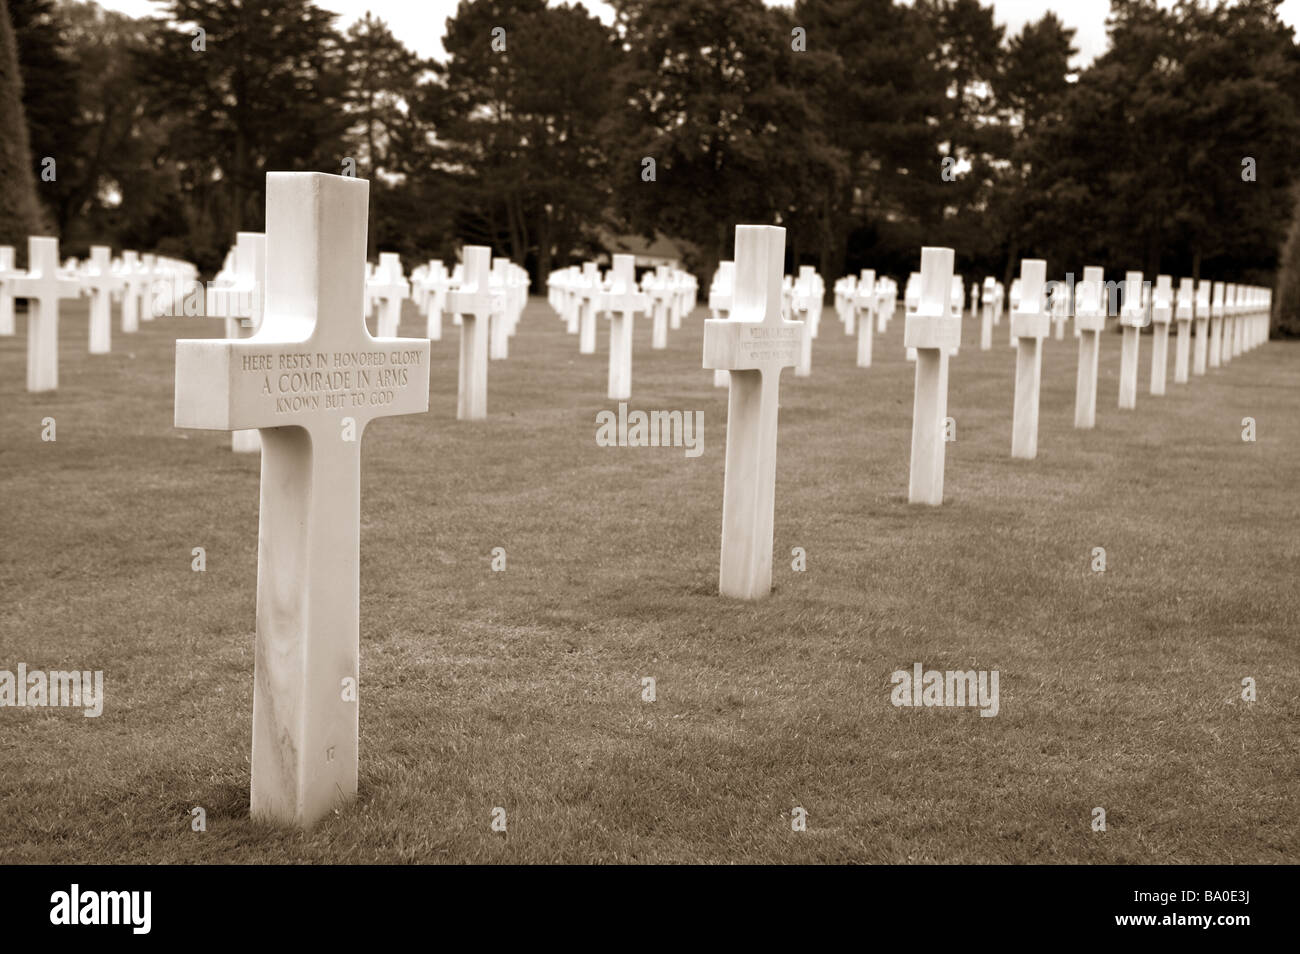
(7, 274)
(1216, 323)
(132, 282)
(473, 301)
(1089, 323)
(721, 295)
(1015, 304)
(1132, 318)
(43, 285)
(311, 378)
(437, 283)
(1183, 315)
(100, 281)
(931, 330)
(1060, 311)
(1201, 344)
(500, 324)
(886, 293)
(844, 292)
(620, 304)
(754, 343)
(1162, 313)
(685, 301)
(806, 301)
(1243, 317)
(245, 304)
(986, 314)
(1229, 322)
(591, 291)
(912, 301)
(1030, 324)
(660, 287)
(865, 302)
(572, 310)
(389, 289)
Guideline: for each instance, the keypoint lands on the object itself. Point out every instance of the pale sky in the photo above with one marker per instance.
(420, 24)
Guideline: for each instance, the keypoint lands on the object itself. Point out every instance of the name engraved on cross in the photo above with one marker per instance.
(754, 343)
(932, 332)
(311, 378)
(1089, 323)
(1132, 317)
(1030, 324)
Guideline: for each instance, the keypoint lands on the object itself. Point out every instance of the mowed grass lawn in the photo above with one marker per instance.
(523, 689)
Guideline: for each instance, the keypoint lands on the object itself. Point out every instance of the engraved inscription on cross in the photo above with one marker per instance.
(311, 378)
(754, 343)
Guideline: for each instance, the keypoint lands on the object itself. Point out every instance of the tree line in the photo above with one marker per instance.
(866, 127)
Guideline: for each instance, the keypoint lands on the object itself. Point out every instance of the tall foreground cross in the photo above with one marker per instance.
(931, 330)
(43, 286)
(311, 378)
(754, 343)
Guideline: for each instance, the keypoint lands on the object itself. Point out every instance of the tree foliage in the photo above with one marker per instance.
(866, 127)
